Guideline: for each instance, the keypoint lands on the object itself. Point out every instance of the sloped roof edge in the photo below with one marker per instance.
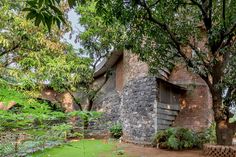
(171, 84)
(107, 63)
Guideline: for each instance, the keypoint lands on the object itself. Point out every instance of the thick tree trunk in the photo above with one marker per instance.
(224, 133)
(224, 130)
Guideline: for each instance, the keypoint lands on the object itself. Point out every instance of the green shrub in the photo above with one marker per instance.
(182, 138)
(116, 130)
(207, 136)
(176, 139)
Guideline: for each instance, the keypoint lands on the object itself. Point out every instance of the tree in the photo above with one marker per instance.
(31, 57)
(48, 12)
(162, 33)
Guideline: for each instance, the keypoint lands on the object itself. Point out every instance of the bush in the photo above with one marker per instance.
(176, 139)
(208, 136)
(182, 138)
(116, 130)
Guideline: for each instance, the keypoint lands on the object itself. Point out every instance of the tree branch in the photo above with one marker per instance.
(223, 13)
(155, 3)
(77, 103)
(199, 6)
(230, 30)
(206, 18)
(206, 65)
(166, 29)
(12, 49)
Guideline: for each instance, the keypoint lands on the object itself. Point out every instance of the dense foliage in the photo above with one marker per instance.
(30, 126)
(182, 138)
(176, 138)
(33, 57)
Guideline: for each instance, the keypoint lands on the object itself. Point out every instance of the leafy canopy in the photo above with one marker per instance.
(32, 57)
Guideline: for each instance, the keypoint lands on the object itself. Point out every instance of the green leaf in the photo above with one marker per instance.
(41, 3)
(38, 20)
(31, 15)
(71, 3)
(57, 10)
(48, 22)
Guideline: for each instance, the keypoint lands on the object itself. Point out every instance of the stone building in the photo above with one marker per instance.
(144, 104)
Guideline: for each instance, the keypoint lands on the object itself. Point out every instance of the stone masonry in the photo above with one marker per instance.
(137, 110)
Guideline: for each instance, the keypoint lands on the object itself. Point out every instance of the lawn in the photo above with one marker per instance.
(83, 148)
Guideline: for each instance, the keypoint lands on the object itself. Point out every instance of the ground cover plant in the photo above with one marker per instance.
(83, 148)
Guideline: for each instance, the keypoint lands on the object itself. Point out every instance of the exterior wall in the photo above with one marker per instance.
(120, 75)
(107, 101)
(109, 86)
(65, 99)
(133, 68)
(110, 106)
(196, 104)
(138, 110)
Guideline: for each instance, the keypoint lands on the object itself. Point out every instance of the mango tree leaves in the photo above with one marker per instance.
(48, 12)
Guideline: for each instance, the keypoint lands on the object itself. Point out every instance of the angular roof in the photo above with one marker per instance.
(107, 63)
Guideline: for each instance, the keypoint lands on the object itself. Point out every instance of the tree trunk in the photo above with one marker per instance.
(90, 105)
(224, 130)
(224, 133)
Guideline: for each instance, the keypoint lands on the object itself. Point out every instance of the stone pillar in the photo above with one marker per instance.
(138, 110)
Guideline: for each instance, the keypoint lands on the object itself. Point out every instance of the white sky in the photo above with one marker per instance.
(74, 19)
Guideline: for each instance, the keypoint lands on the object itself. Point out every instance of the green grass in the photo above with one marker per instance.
(84, 148)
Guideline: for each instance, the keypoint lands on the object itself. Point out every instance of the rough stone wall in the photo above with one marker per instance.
(137, 110)
(195, 105)
(110, 106)
(108, 102)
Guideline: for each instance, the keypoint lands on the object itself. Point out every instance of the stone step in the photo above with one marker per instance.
(174, 107)
(167, 112)
(166, 117)
(165, 122)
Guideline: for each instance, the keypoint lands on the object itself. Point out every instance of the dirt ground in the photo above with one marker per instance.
(132, 150)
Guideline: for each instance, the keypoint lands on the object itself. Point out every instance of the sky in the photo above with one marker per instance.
(74, 19)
